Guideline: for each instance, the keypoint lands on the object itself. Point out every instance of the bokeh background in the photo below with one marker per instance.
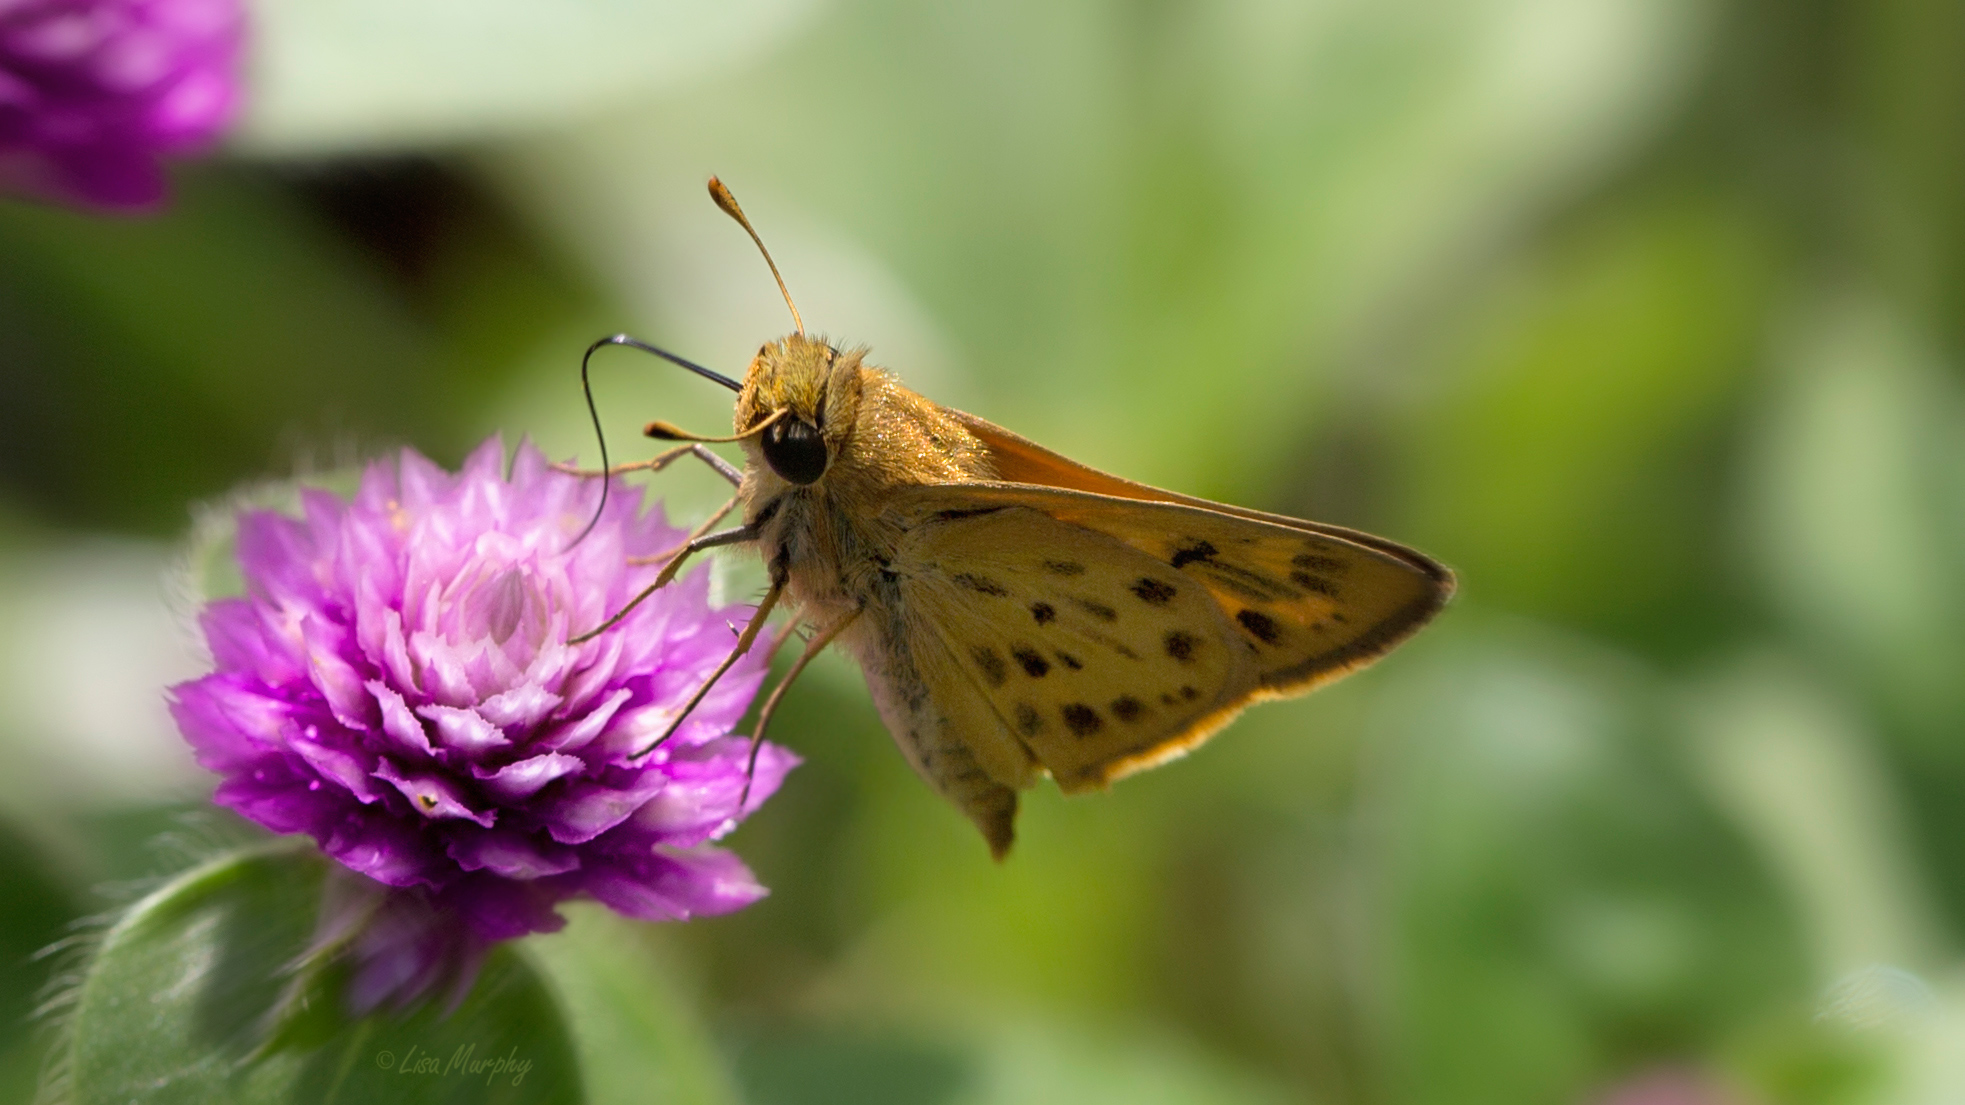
(1647, 316)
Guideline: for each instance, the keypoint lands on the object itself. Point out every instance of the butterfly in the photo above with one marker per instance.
(1018, 614)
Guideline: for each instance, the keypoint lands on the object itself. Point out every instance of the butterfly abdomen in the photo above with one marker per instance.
(935, 728)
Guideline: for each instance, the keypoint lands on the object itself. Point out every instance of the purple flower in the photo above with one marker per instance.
(397, 684)
(93, 92)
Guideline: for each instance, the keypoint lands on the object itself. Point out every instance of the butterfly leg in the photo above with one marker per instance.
(660, 461)
(722, 467)
(664, 556)
(655, 463)
(819, 641)
(744, 643)
(708, 541)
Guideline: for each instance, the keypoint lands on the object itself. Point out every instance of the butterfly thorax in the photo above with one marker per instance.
(832, 536)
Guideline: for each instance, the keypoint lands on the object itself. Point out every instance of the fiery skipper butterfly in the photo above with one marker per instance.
(1016, 613)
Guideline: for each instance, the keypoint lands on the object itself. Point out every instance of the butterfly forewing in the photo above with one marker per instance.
(1096, 656)
(1309, 604)
(1312, 606)
(1017, 459)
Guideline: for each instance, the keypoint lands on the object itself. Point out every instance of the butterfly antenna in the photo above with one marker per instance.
(593, 412)
(728, 202)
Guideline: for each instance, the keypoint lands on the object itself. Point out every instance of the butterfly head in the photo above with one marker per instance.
(809, 392)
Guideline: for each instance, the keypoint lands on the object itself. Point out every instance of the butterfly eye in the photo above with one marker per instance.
(794, 450)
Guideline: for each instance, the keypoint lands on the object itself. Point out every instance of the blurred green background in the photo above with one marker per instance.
(1647, 316)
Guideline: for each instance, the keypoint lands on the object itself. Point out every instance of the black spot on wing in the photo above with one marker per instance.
(1082, 720)
(1064, 567)
(1249, 585)
(982, 585)
(1069, 661)
(1181, 645)
(1127, 708)
(1188, 694)
(1154, 592)
(1096, 609)
(1044, 612)
(952, 515)
(1189, 553)
(1034, 664)
(1029, 722)
(991, 664)
(1260, 625)
(1318, 584)
(1314, 563)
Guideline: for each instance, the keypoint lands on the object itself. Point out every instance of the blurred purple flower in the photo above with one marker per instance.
(94, 92)
(397, 685)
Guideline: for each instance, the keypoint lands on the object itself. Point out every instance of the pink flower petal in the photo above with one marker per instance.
(464, 730)
(399, 724)
(431, 795)
(590, 809)
(673, 886)
(512, 855)
(336, 765)
(518, 781)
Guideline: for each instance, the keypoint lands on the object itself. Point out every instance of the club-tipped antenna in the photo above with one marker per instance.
(728, 202)
(593, 412)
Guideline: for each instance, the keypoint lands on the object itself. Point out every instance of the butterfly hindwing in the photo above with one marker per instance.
(945, 726)
(1097, 657)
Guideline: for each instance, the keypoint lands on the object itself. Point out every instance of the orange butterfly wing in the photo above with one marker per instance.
(1306, 603)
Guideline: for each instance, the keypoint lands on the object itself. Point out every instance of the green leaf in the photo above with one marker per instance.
(638, 1037)
(35, 909)
(176, 1004)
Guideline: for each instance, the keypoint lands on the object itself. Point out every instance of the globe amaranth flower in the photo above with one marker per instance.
(397, 684)
(94, 92)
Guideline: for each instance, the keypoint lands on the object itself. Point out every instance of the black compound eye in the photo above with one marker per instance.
(795, 450)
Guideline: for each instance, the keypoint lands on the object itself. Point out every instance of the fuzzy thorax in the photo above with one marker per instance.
(878, 434)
